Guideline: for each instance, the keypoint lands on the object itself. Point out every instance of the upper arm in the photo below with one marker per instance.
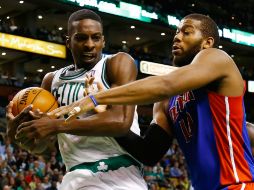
(160, 117)
(47, 81)
(208, 66)
(121, 70)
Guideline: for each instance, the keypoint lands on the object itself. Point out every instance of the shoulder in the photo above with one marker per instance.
(214, 55)
(47, 81)
(119, 57)
(120, 60)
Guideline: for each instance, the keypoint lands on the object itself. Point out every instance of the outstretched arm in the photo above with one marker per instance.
(150, 148)
(209, 65)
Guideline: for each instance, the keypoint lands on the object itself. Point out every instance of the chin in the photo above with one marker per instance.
(179, 61)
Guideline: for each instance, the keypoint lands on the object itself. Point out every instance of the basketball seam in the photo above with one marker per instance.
(36, 95)
(51, 106)
(17, 104)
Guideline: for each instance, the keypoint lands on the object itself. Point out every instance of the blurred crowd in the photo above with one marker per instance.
(20, 170)
(170, 173)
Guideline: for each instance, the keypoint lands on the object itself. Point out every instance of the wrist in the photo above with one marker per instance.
(93, 100)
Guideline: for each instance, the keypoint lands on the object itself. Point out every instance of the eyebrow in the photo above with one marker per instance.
(188, 26)
(82, 34)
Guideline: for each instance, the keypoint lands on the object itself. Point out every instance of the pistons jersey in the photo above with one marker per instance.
(211, 131)
(68, 87)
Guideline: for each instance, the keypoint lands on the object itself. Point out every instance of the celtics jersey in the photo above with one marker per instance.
(68, 87)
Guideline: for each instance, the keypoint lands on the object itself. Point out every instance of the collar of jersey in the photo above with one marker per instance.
(74, 75)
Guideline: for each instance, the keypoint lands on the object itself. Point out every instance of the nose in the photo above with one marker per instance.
(89, 44)
(177, 37)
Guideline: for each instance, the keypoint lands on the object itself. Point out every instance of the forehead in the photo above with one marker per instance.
(188, 22)
(86, 26)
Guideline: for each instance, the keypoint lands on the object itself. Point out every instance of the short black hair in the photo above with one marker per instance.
(208, 27)
(82, 14)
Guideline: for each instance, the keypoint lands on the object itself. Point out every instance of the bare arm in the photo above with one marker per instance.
(210, 65)
(115, 121)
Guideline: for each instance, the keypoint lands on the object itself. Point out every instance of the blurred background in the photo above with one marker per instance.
(32, 43)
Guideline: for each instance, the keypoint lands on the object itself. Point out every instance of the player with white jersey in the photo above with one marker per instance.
(68, 86)
(93, 158)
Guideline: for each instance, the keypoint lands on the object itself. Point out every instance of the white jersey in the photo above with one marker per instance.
(67, 87)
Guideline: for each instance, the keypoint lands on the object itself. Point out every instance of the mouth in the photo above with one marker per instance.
(88, 56)
(176, 49)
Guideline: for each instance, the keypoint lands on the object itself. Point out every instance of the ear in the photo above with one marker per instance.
(67, 42)
(208, 43)
(103, 41)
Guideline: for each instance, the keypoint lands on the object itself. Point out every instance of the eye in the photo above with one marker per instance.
(96, 38)
(186, 32)
(80, 38)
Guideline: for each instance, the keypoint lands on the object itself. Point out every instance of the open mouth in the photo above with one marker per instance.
(88, 56)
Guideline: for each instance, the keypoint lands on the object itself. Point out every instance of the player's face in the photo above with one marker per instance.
(187, 42)
(86, 42)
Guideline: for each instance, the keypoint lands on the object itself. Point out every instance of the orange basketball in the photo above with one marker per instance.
(39, 97)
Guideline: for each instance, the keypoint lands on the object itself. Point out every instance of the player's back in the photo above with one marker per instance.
(211, 131)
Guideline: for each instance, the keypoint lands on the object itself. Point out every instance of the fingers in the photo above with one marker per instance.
(25, 111)
(23, 125)
(100, 108)
(71, 117)
(36, 114)
(58, 111)
(74, 113)
(9, 114)
(88, 85)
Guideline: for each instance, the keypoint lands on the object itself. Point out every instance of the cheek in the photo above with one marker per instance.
(193, 46)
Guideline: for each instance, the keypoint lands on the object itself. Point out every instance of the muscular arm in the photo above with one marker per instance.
(115, 121)
(150, 148)
(209, 66)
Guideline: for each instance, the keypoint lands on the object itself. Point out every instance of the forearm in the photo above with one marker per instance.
(116, 122)
(145, 91)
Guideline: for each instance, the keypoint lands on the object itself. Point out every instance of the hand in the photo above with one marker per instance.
(73, 110)
(36, 130)
(14, 122)
(89, 88)
(81, 106)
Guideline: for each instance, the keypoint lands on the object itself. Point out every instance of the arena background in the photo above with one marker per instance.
(142, 28)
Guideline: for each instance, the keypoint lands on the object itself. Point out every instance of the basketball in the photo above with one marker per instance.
(39, 97)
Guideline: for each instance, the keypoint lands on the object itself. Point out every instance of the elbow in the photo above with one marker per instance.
(123, 126)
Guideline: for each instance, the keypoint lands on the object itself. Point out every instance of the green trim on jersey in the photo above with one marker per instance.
(111, 163)
(75, 92)
(64, 86)
(76, 75)
(104, 75)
